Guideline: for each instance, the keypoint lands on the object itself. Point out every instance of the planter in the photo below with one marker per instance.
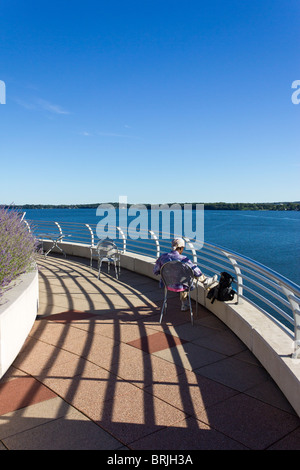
(18, 310)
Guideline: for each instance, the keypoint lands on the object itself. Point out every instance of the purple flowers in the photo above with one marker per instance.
(17, 246)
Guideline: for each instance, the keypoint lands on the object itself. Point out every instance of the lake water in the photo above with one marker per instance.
(269, 237)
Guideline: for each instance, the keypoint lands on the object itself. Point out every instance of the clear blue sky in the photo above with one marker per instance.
(156, 100)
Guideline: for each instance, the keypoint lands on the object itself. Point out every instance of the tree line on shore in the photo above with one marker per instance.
(270, 206)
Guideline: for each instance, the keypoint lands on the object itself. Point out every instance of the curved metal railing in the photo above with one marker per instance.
(272, 294)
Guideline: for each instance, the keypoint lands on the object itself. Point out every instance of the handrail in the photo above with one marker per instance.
(271, 293)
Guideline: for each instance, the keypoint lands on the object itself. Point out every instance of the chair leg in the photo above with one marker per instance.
(191, 310)
(99, 270)
(164, 306)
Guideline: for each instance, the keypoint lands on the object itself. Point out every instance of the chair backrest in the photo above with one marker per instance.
(176, 272)
(107, 248)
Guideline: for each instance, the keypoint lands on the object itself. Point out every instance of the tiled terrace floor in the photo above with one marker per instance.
(98, 371)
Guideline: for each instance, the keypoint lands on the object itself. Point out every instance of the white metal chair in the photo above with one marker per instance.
(108, 251)
(172, 273)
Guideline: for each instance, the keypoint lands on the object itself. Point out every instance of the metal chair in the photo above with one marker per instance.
(172, 273)
(108, 251)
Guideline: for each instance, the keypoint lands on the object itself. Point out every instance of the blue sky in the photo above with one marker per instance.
(156, 100)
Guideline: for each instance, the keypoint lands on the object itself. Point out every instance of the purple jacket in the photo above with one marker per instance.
(175, 256)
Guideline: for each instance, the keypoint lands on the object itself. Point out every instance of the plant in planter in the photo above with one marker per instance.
(18, 300)
(18, 247)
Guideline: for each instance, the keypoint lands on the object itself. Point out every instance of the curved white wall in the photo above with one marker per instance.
(18, 310)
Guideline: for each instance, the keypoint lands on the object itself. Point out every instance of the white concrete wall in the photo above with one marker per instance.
(18, 310)
(270, 344)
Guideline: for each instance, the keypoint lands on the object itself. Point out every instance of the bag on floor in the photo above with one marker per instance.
(223, 291)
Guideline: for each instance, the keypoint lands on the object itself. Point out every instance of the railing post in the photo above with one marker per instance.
(27, 224)
(295, 306)
(239, 277)
(92, 244)
(192, 249)
(59, 227)
(91, 233)
(156, 242)
(195, 261)
(124, 239)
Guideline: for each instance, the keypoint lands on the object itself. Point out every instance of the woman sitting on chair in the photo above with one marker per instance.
(175, 254)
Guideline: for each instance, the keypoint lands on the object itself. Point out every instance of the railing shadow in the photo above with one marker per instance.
(91, 373)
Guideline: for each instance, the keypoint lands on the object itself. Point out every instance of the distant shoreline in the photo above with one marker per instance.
(273, 206)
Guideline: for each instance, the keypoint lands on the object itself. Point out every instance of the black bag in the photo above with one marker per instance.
(223, 291)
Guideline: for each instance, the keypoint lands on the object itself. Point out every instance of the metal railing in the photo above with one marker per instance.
(272, 294)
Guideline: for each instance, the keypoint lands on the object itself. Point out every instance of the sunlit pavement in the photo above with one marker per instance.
(98, 371)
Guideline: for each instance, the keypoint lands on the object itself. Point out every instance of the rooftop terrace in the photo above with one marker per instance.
(98, 371)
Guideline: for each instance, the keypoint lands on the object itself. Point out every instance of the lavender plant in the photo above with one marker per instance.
(17, 247)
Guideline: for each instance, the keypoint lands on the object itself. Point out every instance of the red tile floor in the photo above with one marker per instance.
(98, 371)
